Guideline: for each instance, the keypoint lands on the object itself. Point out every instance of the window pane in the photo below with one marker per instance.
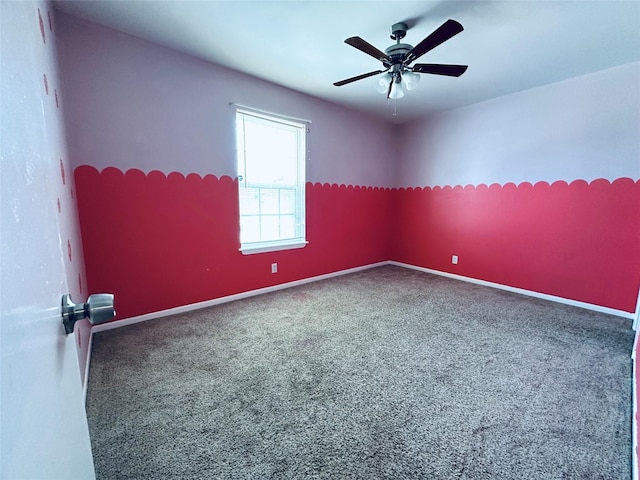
(269, 200)
(271, 154)
(270, 230)
(288, 226)
(256, 138)
(285, 167)
(287, 201)
(249, 229)
(249, 201)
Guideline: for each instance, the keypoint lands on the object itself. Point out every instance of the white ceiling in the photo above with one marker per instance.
(509, 45)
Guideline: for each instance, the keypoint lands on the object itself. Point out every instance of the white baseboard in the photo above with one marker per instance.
(230, 298)
(637, 314)
(260, 291)
(634, 408)
(85, 384)
(530, 293)
(239, 296)
(634, 421)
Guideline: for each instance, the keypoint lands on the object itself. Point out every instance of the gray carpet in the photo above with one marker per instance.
(387, 373)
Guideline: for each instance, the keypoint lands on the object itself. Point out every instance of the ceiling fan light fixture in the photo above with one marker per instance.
(399, 76)
(382, 83)
(410, 80)
(396, 90)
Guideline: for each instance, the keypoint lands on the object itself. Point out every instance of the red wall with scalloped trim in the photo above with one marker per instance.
(579, 241)
(159, 241)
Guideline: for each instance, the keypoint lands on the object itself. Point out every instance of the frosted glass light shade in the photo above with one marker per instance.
(383, 83)
(410, 80)
(396, 91)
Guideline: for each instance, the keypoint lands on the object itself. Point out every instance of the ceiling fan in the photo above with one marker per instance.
(397, 59)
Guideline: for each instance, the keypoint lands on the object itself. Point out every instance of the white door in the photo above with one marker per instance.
(44, 433)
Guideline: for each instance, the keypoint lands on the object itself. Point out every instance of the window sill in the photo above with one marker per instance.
(271, 247)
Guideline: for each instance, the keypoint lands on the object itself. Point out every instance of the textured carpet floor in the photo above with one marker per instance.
(383, 374)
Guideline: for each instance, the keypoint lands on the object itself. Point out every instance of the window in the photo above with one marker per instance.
(271, 180)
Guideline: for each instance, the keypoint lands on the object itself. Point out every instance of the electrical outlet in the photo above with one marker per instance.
(454, 259)
(274, 268)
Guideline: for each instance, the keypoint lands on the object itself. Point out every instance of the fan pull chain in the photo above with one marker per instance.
(395, 108)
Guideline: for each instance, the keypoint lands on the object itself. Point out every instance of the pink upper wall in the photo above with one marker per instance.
(585, 128)
(163, 110)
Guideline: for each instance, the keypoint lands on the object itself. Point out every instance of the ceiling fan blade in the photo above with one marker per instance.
(444, 32)
(359, 77)
(367, 48)
(438, 69)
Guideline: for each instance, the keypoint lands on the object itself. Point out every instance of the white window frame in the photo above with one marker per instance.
(244, 180)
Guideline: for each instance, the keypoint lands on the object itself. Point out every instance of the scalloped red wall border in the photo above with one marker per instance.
(578, 240)
(159, 241)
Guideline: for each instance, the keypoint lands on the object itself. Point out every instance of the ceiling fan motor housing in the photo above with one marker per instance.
(399, 30)
(398, 53)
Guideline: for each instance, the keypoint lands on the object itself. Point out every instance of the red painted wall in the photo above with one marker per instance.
(159, 241)
(173, 241)
(578, 241)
